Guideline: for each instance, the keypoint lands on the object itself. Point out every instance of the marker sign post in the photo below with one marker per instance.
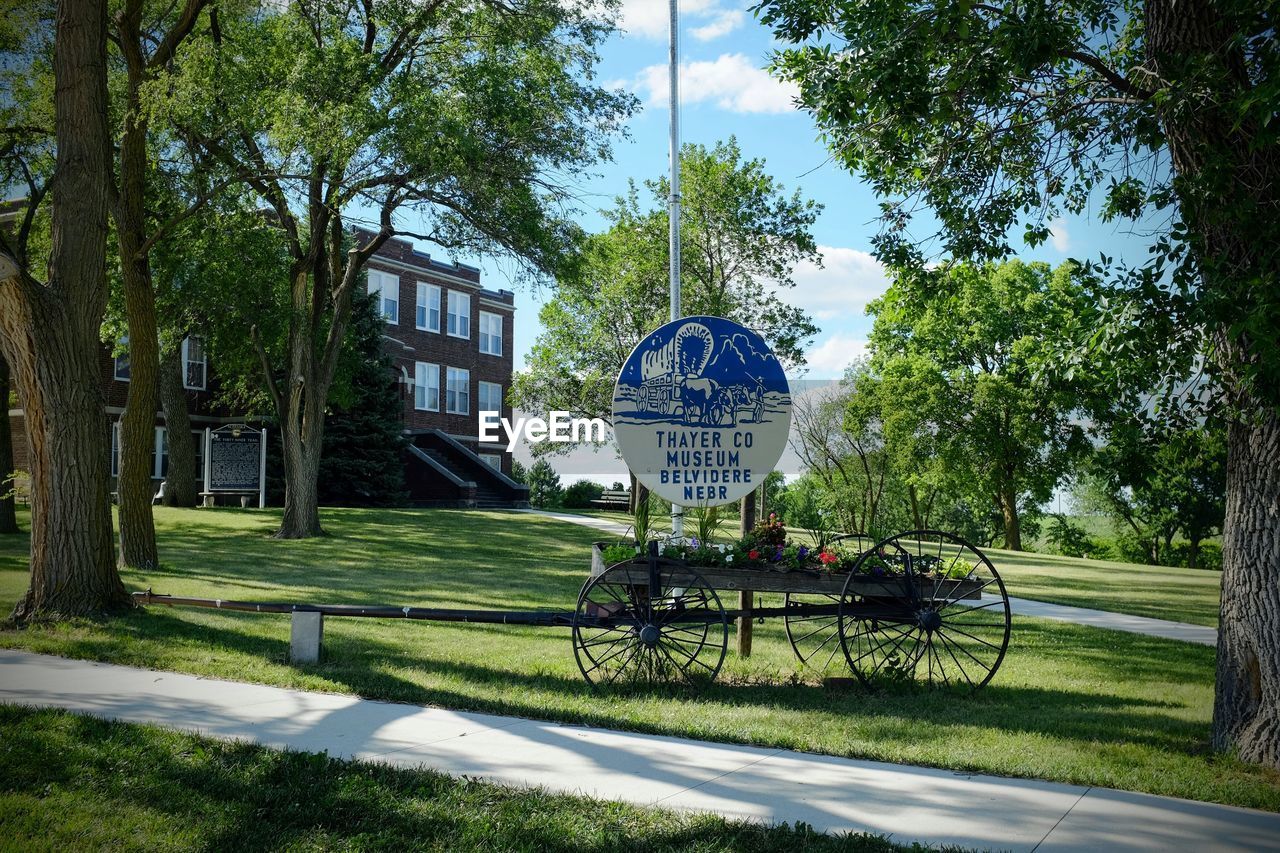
(235, 460)
(701, 411)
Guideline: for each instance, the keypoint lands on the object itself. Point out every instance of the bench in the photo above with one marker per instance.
(210, 498)
(613, 499)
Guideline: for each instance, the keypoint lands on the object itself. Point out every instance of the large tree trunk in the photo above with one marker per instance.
(50, 337)
(1012, 523)
(1228, 174)
(301, 438)
(138, 423)
(1246, 709)
(181, 480)
(8, 512)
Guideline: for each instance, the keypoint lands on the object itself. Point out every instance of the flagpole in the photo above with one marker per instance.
(673, 201)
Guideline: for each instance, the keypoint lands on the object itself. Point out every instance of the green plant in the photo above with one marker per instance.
(768, 533)
(641, 518)
(581, 494)
(707, 520)
(619, 553)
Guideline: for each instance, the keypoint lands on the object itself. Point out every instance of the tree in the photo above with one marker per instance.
(544, 484)
(1159, 481)
(741, 238)
(475, 118)
(848, 460)
(364, 440)
(148, 40)
(49, 328)
(8, 512)
(1000, 114)
(957, 349)
(581, 494)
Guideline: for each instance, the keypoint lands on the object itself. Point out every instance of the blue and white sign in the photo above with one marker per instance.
(701, 411)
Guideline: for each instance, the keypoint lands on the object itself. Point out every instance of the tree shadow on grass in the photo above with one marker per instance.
(377, 668)
(241, 797)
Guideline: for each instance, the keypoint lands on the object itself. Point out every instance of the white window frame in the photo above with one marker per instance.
(488, 318)
(187, 361)
(493, 460)
(459, 322)
(387, 286)
(422, 373)
(462, 375)
(481, 405)
(428, 300)
(123, 344)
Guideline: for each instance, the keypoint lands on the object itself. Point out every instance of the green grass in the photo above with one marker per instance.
(1180, 595)
(1160, 592)
(1071, 703)
(76, 783)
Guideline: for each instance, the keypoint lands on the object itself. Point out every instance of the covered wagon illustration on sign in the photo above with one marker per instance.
(696, 377)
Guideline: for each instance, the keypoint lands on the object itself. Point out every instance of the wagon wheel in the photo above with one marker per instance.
(945, 623)
(623, 635)
(812, 621)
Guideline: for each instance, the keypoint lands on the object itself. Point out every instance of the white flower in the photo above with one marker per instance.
(729, 559)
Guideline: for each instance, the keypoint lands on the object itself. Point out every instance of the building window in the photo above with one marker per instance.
(194, 365)
(387, 288)
(160, 459)
(459, 314)
(428, 319)
(458, 400)
(115, 448)
(198, 437)
(122, 362)
(493, 460)
(490, 333)
(489, 397)
(426, 387)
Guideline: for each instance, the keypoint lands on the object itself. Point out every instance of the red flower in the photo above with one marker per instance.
(828, 558)
(753, 554)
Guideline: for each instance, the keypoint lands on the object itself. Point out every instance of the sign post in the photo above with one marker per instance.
(235, 462)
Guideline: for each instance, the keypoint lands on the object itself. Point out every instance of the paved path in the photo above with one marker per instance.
(771, 785)
(1080, 615)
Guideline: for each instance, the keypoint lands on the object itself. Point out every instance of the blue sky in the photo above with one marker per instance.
(725, 91)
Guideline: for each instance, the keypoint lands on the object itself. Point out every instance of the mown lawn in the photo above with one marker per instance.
(75, 783)
(1070, 703)
(1180, 595)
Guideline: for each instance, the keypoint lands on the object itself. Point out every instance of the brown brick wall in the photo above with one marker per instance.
(409, 344)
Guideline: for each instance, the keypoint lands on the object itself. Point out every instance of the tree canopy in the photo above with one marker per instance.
(741, 238)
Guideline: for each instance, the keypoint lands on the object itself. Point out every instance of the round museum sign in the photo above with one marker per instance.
(701, 411)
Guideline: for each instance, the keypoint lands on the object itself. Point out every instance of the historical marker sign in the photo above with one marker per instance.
(701, 411)
(235, 460)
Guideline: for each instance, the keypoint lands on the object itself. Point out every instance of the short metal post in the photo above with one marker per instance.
(306, 631)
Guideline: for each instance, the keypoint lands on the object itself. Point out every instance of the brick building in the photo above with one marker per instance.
(450, 339)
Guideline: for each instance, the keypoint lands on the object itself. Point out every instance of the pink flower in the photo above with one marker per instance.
(828, 558)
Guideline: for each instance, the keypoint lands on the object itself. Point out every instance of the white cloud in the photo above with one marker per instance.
(651, 18)
(829, 359)
(731, 81)
(842, 287)
(722, 24)
(1058, 234)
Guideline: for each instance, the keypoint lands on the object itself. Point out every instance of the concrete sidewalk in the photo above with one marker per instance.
(771, 785)
(1183, 631)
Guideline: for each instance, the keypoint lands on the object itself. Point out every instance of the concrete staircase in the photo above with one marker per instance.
(442, 471)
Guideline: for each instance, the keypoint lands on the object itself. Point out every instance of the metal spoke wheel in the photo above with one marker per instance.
(624, 634)
(924, 606)
(812, 621)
